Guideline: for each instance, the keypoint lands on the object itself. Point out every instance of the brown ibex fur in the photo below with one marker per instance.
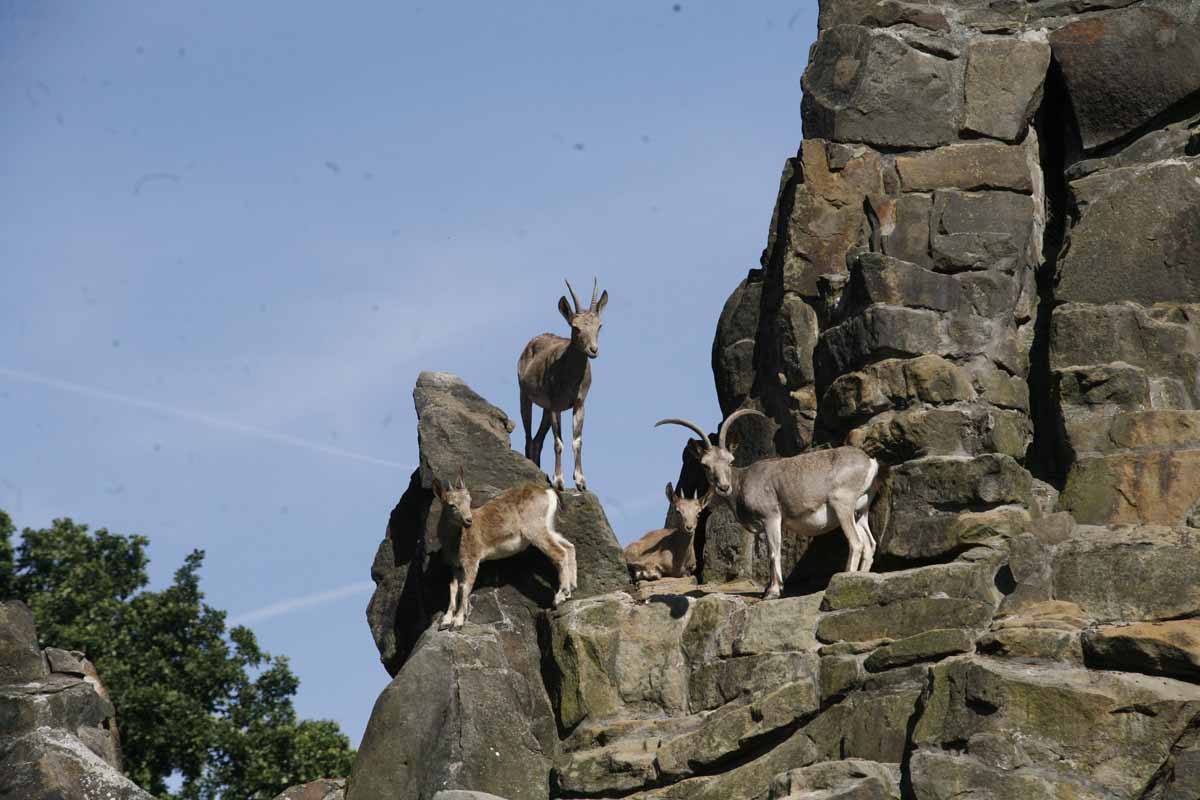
(554, 373)
(669, 552)
(505, 525)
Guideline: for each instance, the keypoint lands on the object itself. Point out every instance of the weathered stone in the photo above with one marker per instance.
(868, 725)
(64, 661)
(968, 579)
(473, 714)
(1137, 237)
(20, 659)
(748, 781)
(335, 789)
(886, 280)
(1046, 631)
(997, 386)
(907, 237)
(457, 427)
(970, 167)
(851, 779)
(1154, 648)
(1004, 85)
(462, 794)
(881, 14)
(917, 517)
(926, 646)
(1130, 573)
(613, 657)
(819, 215)
(1136, 430)
(897, 383)
(903, 618)
(1124, 68)
(733, 344)
(1131, 722)
(1117, 385)
(731, 728)
(915, 433)
(981, 230)
(51, 764)
(797, 336)
(1159, 487)
(865, 86)
(879, 332)
(938, 775)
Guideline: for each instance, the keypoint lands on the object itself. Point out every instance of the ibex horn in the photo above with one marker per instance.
(574, 296)
(686, 424)
(741, 412)
(595, 292)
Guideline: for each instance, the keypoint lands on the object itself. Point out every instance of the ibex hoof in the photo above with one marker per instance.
(772, 593)
(560, 484)
(581, 483)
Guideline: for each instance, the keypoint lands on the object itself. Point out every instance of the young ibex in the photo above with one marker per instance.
(669, 552)
(554, 373)
(809, 494)
(502, 527)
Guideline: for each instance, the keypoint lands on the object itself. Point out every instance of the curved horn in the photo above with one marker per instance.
(595, 292)
(741, 412)
(462, 481)
(686, 424)
(574, 296)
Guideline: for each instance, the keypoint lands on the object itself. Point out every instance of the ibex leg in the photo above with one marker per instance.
(556, 426)
(448, 617)
(577, 445)
(539, 439)
(850, 531)
(527, 423)
(774, 527)
(470, 569)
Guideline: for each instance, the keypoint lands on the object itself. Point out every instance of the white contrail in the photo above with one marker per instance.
(193, 416)
(297, 603)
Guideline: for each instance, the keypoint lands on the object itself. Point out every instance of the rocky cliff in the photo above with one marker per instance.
(983, 268)
(58, 736)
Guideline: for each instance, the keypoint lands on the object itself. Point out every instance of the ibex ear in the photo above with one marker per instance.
(602, 302)
(438, 491)
(564, 308)
(670, 493)
(708, 495)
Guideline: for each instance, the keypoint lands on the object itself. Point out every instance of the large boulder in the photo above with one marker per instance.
(57, 734)
(1124, 68)
(456, 428)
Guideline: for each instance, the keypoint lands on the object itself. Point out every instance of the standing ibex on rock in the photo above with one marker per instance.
(809, 494)
(505, 525)
(669, 552)
(554, 373)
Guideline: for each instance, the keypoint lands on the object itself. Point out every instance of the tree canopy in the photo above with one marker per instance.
(192, 697)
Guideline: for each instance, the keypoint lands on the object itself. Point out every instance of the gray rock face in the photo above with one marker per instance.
(321, 789)
(1124, 68)
(1004, 85)
(56, 733)
(457, 427)
(1164, 254)
(865, 86)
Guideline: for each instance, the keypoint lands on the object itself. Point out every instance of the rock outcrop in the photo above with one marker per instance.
(982, 268)
(57, 733)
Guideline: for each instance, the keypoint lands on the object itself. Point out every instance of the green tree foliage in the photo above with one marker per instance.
(191, 697)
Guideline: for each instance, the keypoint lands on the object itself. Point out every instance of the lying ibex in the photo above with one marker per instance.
(669, 552)
(554, 373)
(809, 494)
(505, 525)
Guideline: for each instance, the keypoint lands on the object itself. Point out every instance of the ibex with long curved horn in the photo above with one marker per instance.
(554, 373)
(809, 494)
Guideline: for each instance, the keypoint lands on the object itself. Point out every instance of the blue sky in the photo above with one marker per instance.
(232, 234)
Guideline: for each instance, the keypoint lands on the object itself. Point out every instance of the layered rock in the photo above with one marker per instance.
(472, 702)
(57, 733)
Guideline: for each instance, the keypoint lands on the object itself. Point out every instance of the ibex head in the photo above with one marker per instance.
(455, 499)
(584, 322)
(689, 508)
(717, 461)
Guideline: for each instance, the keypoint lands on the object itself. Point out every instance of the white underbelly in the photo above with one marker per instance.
(814, 523)
(509, 547)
